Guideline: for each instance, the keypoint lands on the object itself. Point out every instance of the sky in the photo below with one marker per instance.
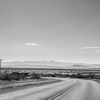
(59, 30)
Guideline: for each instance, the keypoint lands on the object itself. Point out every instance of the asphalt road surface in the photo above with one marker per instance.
(69, 89)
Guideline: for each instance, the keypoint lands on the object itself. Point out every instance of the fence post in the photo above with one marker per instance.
(0, 65)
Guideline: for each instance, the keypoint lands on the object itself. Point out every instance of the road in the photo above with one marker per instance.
(68, 89)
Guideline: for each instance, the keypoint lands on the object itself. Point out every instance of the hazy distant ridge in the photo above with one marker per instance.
(44, 64)
(48, 63)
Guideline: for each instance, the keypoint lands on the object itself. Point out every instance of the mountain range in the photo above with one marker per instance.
(47, 64)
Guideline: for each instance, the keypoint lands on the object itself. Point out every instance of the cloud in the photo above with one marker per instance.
(96, 50)
(89, 48)
(93, 49)
(33, 44)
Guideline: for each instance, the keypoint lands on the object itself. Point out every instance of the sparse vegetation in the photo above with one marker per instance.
(38, 73)
(17, 76)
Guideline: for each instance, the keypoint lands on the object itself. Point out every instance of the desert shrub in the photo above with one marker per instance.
(35, 76)
(13, 76)
(4, 77)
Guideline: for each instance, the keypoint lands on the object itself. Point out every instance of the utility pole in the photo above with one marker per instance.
(0, 65)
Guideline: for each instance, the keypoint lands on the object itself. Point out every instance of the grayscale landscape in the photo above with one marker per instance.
(49, 49)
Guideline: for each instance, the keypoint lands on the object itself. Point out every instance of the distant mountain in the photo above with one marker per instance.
(95, 66)
(47, 64)
(79, 66)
